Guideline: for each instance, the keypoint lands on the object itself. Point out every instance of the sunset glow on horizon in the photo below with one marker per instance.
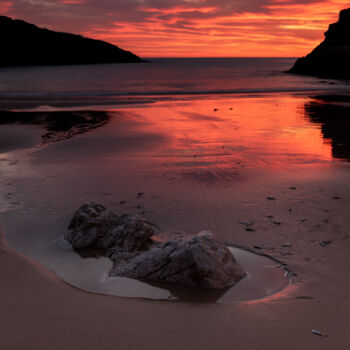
(188, 28)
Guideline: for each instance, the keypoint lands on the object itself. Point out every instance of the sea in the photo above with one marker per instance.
(159, 77)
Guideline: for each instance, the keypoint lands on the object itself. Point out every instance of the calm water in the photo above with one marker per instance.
(159, 77)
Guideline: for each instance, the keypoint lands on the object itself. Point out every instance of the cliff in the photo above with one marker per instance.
(24, 44)
(331, 59)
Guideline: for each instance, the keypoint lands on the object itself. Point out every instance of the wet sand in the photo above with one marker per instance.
(293, 198)
(38, 309)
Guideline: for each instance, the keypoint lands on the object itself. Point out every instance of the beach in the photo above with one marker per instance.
(38, 308)
(267, 172)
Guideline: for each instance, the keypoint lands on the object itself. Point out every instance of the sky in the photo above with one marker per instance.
(188, 28)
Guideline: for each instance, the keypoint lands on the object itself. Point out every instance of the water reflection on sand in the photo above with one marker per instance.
(205, 140)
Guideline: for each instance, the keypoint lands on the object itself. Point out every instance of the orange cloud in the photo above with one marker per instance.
(153, 28)
(72, 2)
(5, 7)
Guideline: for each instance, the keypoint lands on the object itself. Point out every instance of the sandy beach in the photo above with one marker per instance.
(201, 165)
(39, 309)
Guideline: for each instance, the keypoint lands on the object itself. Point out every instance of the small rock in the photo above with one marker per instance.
(271, 198)
(325, 243)
(315, 331)
(246, 223)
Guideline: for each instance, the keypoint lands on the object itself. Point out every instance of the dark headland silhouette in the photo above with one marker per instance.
(331, 59)
(24, 44)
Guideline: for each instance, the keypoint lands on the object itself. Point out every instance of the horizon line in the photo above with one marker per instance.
(150, 57)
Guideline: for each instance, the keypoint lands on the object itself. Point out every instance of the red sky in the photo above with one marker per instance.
(188, 28)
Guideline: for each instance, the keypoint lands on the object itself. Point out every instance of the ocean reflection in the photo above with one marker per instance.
(335, 124)
(206, 142)
(222, 141)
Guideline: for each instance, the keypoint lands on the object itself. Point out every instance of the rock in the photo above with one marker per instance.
(331, 58)
(315, 331)
(192, 261)
(89, 225)
(95, 226)
(188, 260)
(24, 44)
(130, 233)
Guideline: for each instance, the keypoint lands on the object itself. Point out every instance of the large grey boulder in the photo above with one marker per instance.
(93, 225)
(188, 260)
(192, 261)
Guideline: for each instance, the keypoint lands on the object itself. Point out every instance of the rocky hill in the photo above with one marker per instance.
(24, 44)
(331, 59)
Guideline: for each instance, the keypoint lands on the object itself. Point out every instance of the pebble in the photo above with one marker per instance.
(325, 243)
(315, 331)
(246, 223)
(286, 245)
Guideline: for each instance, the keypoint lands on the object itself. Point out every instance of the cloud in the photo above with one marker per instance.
(188, 27)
